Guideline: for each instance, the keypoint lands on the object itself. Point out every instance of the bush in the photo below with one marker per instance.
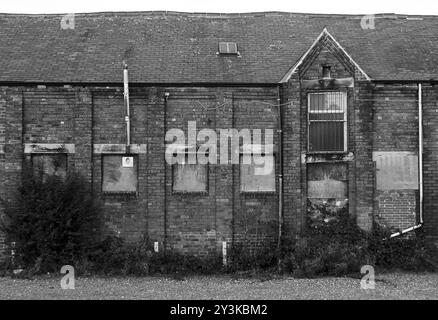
(335, 245)
(53, 223)
(113, 256)
(246, 258)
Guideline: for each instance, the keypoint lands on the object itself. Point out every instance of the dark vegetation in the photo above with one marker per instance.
(56, 222)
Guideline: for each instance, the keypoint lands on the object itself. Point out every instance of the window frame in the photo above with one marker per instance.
(136, 173)
(345, 121)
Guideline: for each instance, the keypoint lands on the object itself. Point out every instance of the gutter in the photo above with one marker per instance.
(420, 165)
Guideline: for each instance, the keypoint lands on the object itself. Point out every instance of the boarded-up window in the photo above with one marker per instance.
(190, 177)
(327, 112)
(50, 164)
(396, 170)
(118, 176)
(256, 177)
(326, 180)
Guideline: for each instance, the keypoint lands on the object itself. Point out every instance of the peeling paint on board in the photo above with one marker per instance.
(326, 180)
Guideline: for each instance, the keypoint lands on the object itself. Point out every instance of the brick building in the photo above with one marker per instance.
(348, 101)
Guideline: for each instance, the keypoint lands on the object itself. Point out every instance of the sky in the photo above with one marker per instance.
(424, 7)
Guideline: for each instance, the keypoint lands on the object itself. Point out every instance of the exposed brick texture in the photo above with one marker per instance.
(381, 117)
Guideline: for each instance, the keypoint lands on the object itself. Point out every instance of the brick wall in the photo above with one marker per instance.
(430, 161)
(198, 223)
(396, 131)
(2, 159)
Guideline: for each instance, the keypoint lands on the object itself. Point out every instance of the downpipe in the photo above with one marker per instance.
(280, 179)
(127, 109)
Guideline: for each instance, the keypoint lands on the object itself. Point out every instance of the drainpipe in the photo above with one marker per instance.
(126, 100)
(280, 177)
(166, 98)
(420, 164)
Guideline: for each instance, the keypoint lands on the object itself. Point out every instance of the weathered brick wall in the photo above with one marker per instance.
(397, 208)
(11, 101)
(357, 159)
(256, 214)
(2, 161)
(430, 161)
(396, 131)
(198, 223)
(123, 214)
(364, 166)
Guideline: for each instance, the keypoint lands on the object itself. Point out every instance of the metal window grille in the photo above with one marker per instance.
(327, 122)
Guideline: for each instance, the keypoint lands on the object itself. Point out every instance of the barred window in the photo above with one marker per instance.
(327, 122)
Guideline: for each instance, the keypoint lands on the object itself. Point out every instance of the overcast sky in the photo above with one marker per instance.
(306, 6)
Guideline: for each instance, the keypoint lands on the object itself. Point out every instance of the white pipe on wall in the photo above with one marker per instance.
(126, 99)
(420, 148)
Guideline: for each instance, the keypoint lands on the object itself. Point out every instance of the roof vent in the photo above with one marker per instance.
(228, 48)
(326, 71)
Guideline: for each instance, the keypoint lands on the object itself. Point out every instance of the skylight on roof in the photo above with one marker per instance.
(228, 48)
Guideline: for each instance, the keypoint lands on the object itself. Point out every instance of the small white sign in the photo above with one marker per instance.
(128, 162)
(224, 253)
(156, 248)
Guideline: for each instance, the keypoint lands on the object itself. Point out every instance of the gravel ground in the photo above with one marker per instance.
(388, 286)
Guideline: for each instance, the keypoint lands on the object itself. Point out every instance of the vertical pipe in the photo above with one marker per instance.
(166, 97)
(126, 100)
(420, 148)
(280, 177)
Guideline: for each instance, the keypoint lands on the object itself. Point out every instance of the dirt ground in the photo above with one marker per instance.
(387, 286)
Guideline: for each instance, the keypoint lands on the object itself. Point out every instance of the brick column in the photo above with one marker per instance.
(224, 175)
(364, 166)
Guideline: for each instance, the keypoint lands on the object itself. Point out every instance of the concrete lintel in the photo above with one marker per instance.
(328, 83)
(49, 148)
(109, 148)
(329, 157)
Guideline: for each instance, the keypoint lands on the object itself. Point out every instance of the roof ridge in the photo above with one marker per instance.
(214, 14)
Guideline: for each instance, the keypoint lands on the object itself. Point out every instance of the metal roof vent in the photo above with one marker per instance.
(228, 48)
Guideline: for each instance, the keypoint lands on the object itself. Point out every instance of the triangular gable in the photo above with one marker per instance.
(324, 34)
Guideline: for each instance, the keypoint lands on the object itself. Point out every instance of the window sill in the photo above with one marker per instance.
(327, 152)
(257, 192)
(120, 194)
(195, 193)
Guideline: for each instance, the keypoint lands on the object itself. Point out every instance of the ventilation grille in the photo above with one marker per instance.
(228, 48)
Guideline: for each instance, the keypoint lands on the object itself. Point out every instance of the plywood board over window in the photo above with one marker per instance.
(396, 170)
(119, 178)
(50, 164)
(190, 177)
(327, 181)
(256, 177)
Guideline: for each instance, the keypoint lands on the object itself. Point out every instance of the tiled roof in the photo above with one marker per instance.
(172, 47)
